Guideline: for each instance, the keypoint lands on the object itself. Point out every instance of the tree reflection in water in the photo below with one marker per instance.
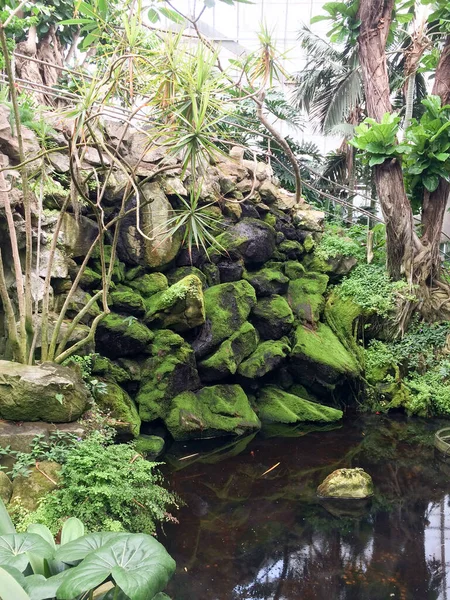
(246, 536)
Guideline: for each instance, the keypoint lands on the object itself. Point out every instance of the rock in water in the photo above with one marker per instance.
(47, 392)
(346, 483)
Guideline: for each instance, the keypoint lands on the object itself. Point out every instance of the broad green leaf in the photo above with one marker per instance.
(153, 15)
(172, 15)
(431, 182)
(40, 588)
(14, 549)
(442, 156)
(73, 529)
(376, 160)
(139, 565)
(6, 525)
(80, 548)
(43, 531)
(9, 588)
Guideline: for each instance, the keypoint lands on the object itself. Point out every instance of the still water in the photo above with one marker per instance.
(251, 531)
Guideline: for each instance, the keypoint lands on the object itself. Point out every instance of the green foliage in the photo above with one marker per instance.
(84, 363)
(344, 16)
(341, 241)
(378, 141)
(109, 487)
(369, 286)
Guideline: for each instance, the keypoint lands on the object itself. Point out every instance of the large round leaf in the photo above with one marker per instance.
(10, 589)
(139, 565)
(73, 529)
(15, 546)
(81, 547)
(40, 588)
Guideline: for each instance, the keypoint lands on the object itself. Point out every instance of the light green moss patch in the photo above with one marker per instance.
(126, 300)
(305, 296)
(278, 406)
(119, 335)
(149, 284)
(113, 399)
(269, 280)
(106, 368)
(182, 272)
(150, 446)
(294, 269)
(267, 357)
(273, 317)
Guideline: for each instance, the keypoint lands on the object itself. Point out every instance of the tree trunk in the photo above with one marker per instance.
(401, 241)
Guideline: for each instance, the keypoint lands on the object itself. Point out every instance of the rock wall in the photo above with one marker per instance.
(207, 344)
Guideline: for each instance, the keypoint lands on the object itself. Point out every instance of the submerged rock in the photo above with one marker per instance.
(47, 392)
(346, 483)
(118, 336)
(273, 317)
(212, 412)
(267, 357)
(227, 308)
(170, 371)
(277, 406)
(150, 446)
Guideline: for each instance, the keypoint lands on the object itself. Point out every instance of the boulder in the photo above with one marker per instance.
(8, 139)
(182, 272)
(158, 248)
(106, 368)
(250, 239)
(318, 355)
(113, 399)
(272, 317)
(47, 392)
(226, 360)
(170, 371)
(119, 335)
(305, 296)
(212, 412)
(268, 281)
(181, 307)
(149, 284)
(126, 300)
(227, 307)
(28, 491)
(230, 270)
(277, 406)
(150, 446)
(77, 235)
(267, 357)
(346, 483)
(6, 487)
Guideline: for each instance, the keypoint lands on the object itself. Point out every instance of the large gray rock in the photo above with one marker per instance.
(77, 235)
(47, 392)
(28, 491)
(346, 483)
(158, 248)
(8, 139)
(250, 239)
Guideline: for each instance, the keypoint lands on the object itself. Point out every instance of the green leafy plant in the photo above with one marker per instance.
(341, 241)
(344, 16)
(378, 141)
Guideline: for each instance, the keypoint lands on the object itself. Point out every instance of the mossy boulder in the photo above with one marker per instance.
(227, 308)
(291, 249)
(305, 296)
(121, 335)
(108, 369)
(149, 284)
(343, 316)
(6, 487)
(268, 356)
(182, 272)
(90, 279)
(125, 300)
(319, 356)
(293, 269)
(278, 406)
(27, 491)
(47, 392)
(346, 484)
(113, 399)
(226, 360)
(150, 446)
(272, 317)
(268, 281)
(212, 412)
(181, 307)
(250, 239)
(169, 371)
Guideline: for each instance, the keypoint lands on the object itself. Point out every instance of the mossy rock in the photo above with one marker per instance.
(6, 487)
(149, 284)
(119, 335)
(250, 239)
(212, 274)
(125, 300)
(226, 360)
(268, 356)
(346, 484)
(113, 399)
(227, 308)
(182, 272)
(181, 307)
(212, 412)
(309, 243)
(106, 368)
(90, 279)
(278, 406)
(343, 316)
(134, 273)
(28, 491)
(273, 317)
(150, 446)
(170, 371)
(268, 281)
(78, 302)
(291, 249)
(305, 296)
(293, 269)
(319, 356)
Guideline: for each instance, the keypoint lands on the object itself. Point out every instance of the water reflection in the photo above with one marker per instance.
(249, 535)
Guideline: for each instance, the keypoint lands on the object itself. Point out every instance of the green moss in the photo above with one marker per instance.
(118, 335)
(305, 296)
(278, 406)
(150, 446)
(90, 279)
(212, 274)
(181, 307)
(269, 280)
(343, 316)
(134, 273)
(309, 243)
(294, 269)
(230, 354)
(182, 272)
(273, 317)
(291, 249)
(311, 262)
(170, 371)
(113, 399)
(149, 284)
(106, 368)
(118, 275)
(212, 412)
(5, 487)
(28, 491)
(270, 219)
(125, 300)
(267, 356)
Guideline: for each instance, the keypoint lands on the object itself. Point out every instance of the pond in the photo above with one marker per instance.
(253, 527)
